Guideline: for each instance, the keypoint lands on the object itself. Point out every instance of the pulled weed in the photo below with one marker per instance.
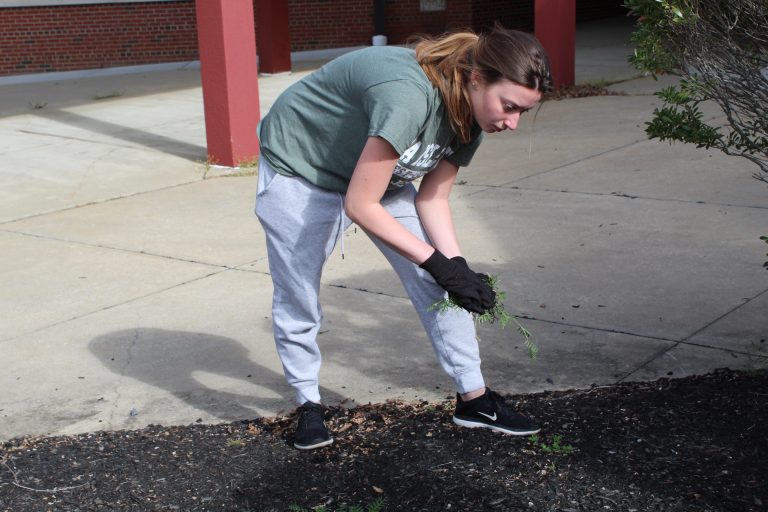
(496, 315)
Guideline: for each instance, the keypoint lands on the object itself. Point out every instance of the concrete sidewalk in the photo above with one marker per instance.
(135, 284)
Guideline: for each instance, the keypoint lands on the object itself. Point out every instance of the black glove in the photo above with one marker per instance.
(468, 288)
(484, 277)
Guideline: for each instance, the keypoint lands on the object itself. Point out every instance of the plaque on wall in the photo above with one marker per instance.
(432, 5)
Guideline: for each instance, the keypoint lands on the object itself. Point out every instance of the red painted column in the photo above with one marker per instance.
(555, 26)
(226, 36)
(272, 37)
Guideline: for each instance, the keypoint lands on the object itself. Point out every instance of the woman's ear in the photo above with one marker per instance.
(475, 79)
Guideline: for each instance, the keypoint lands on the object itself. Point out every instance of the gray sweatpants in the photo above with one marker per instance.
(302, 224)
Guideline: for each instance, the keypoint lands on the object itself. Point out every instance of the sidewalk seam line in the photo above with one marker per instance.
(727, 313)
(103, 201)
(521, 316)
(109, 247)
(577, 161)
(483, 188)
(600, 329)
(646, 198)
(111, 306)
(684, 341)
(741, 352)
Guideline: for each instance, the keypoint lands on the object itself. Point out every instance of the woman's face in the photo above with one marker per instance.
(497, 107)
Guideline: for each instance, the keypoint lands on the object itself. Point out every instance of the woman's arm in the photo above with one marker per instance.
(368, 184)
(434, 210)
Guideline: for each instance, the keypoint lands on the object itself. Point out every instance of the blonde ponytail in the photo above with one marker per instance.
(447, 63)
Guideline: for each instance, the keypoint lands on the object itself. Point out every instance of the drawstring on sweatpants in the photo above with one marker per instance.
(341, 223)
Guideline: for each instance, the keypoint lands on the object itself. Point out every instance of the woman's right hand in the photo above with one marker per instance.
(471, 290)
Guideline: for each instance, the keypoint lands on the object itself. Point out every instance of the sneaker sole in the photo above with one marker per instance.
(479, 424)
(313, 446)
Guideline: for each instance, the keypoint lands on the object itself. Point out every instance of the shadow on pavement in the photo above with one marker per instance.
(179, 362)
(118, 131)
(24, 98)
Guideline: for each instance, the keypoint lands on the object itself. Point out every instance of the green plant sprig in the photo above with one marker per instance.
(496, 315)
(377, 505)
(556, 447)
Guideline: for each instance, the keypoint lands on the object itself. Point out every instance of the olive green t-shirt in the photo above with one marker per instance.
(318, 127)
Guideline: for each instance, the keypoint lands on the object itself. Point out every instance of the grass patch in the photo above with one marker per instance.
(377, 505)
(107, 96)
(757, 363)
(555, 448)
(248, 163)
(245, 167)
(585, 90)
(235, 173)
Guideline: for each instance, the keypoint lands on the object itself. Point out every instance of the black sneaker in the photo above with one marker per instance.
(310, 429)
(491, 411)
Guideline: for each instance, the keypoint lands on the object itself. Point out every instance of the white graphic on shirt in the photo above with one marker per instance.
(408, 154)
(416, 161)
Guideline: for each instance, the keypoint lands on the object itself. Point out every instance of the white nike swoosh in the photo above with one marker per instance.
(492, 418)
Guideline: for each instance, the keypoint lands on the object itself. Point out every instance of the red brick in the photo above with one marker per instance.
(102, 35)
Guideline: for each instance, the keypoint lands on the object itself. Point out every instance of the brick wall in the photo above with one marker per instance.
(403, 19)
(316, 24)
(35, 39)
(511, 14)
(70, 37)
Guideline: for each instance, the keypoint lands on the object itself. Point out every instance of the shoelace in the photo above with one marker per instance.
(340, 233)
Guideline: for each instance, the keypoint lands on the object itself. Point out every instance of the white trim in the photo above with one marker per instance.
(86, 73)
(42, 3)
(305, 56)
(324, 54)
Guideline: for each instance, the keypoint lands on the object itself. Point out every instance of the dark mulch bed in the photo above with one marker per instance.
(581, 91)
(692, 444)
